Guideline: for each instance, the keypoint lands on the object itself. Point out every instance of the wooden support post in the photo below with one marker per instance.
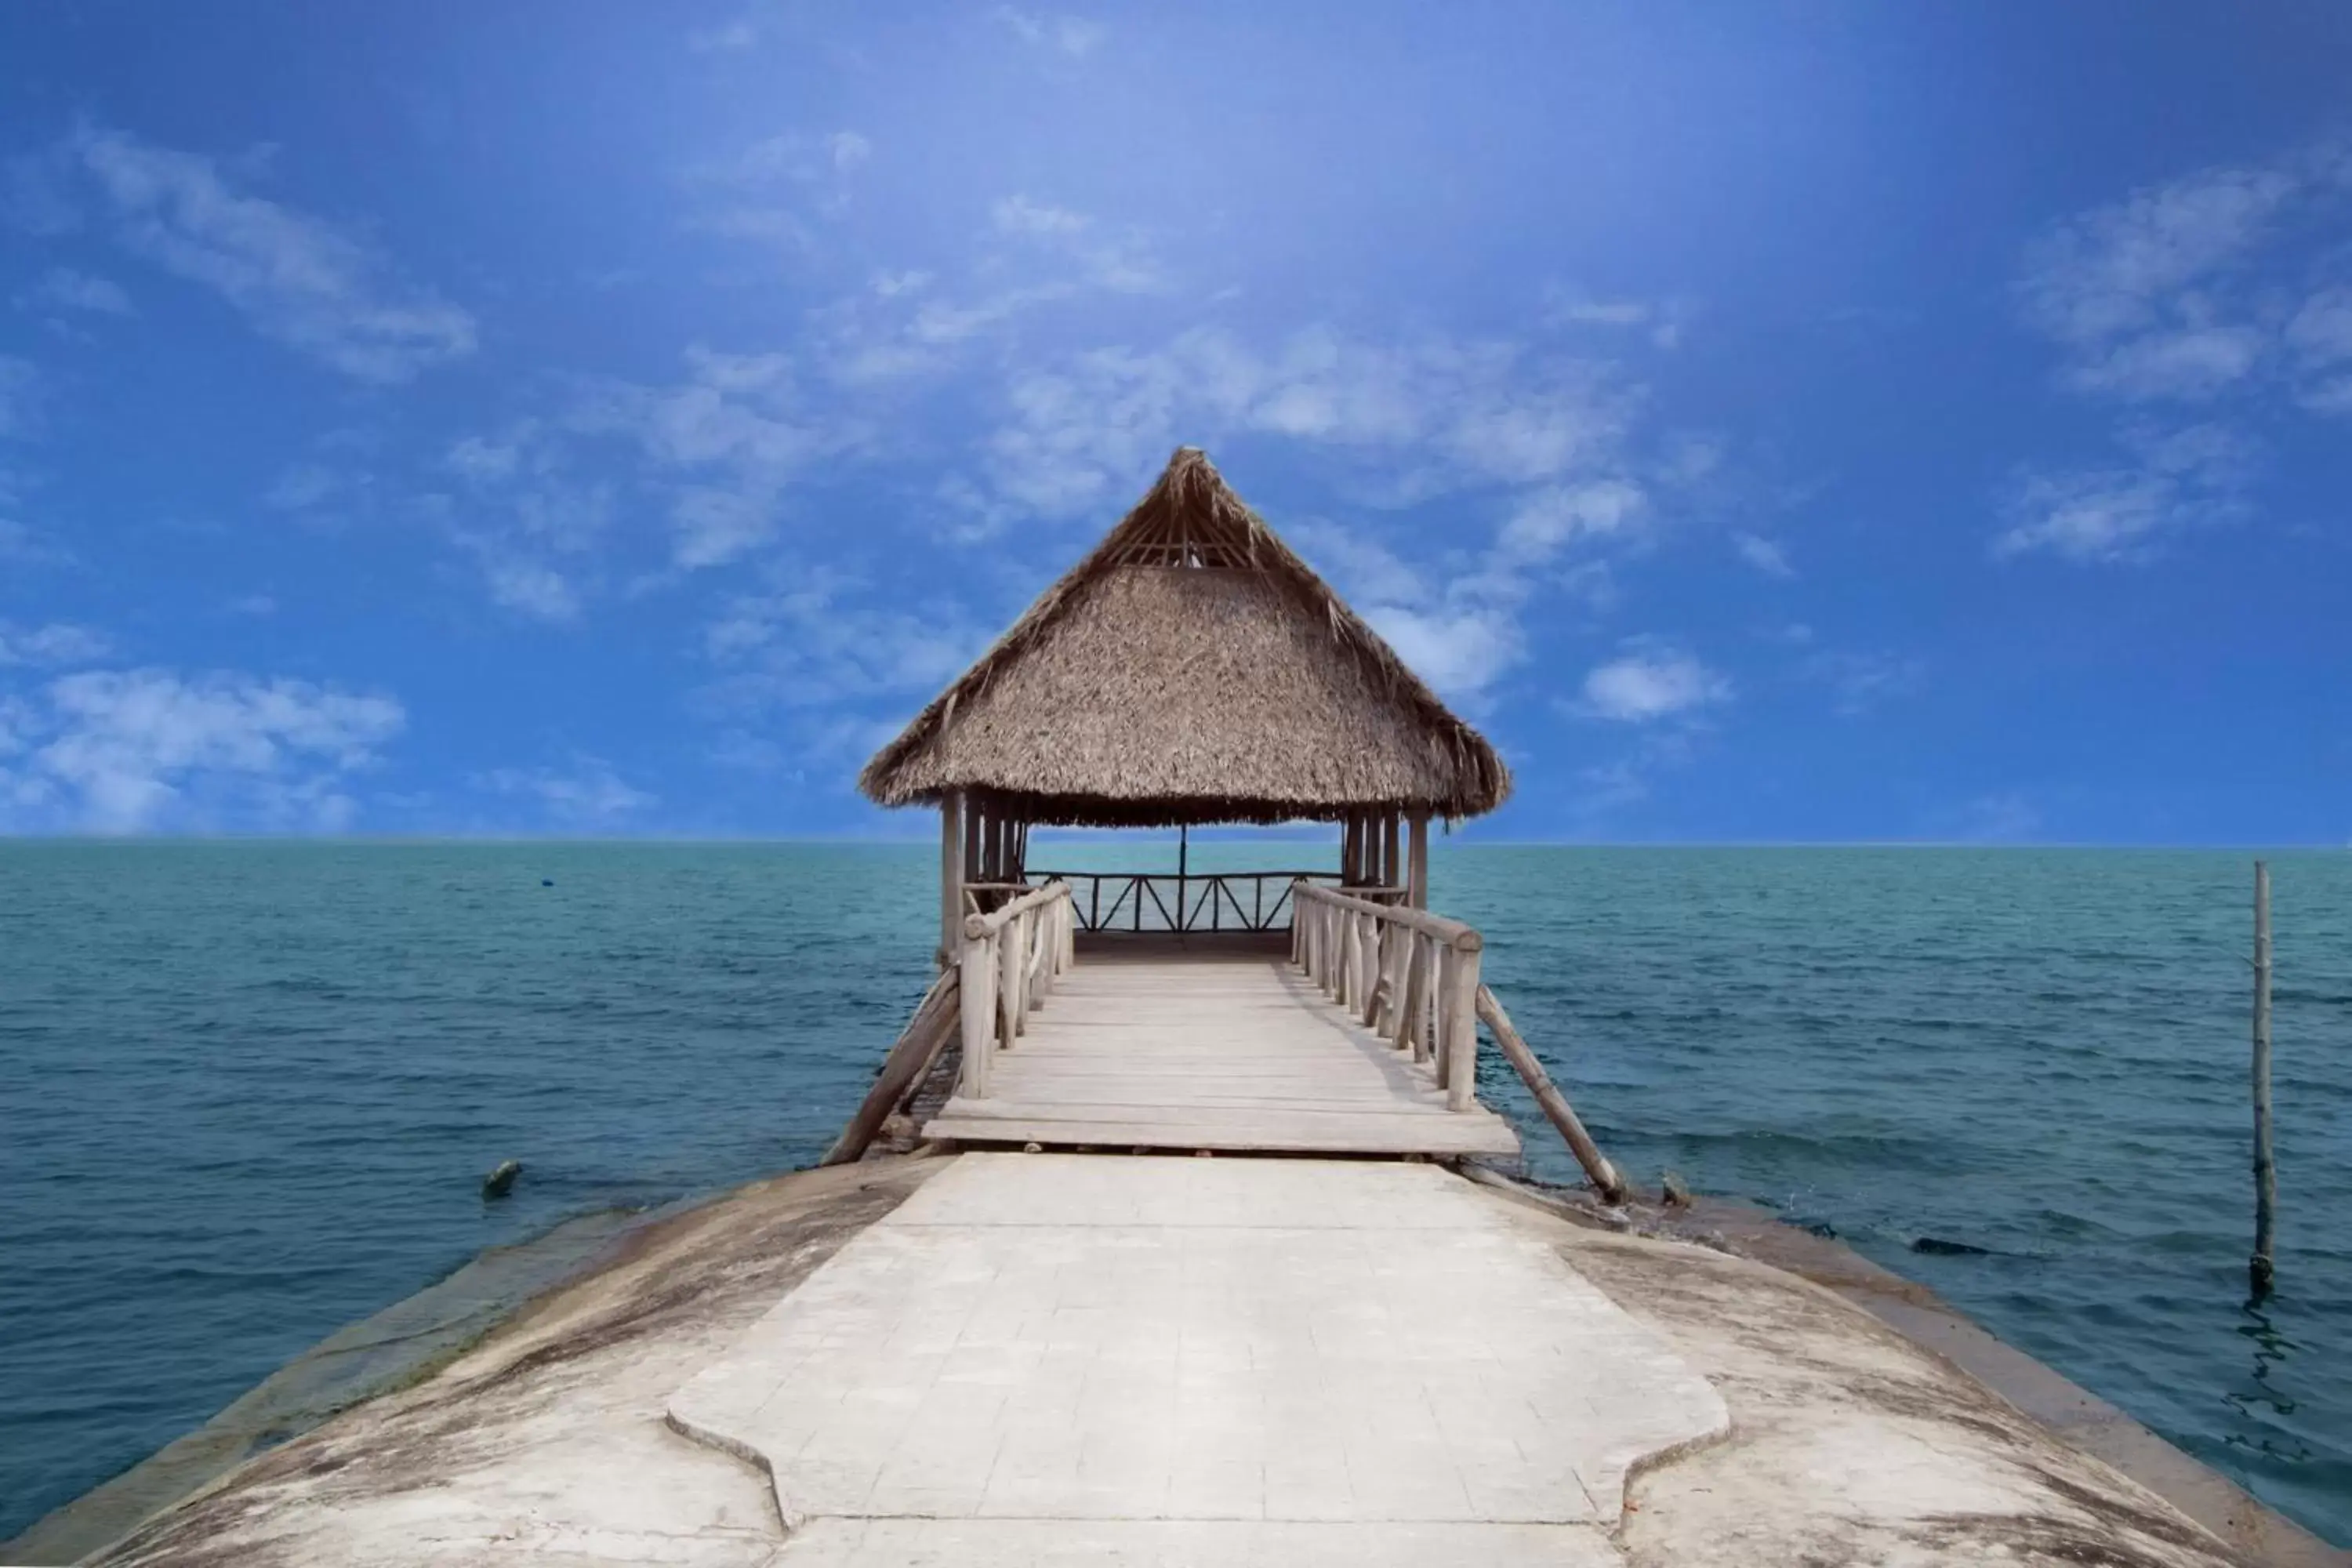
(976, 986)
(950, 878)
(1347, 838)
(1392, 869)
(974, 819)
(1461, 1005)
(1596, 1168)
(2259, 1268)
(1416, 870)
(909, 1061)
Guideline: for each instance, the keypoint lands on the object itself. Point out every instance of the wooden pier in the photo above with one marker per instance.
(1191, 671)
(1208, 1046)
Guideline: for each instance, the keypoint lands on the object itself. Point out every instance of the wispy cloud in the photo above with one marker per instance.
(731, 37)
(815, 638)
(834, 664)
(298, 279)
(1067, 36)
(57, 643)
(526, 516)
(20, 398)
(586, 795)
(2221, 289)
(2182, 290)
(62, 288)
(1651, 680)
(777, 190)
(1764, 554)
(724, 445)
(2177, 480)
(131, 751)
(1434, 416)
(1661, 320)
(1860, 682)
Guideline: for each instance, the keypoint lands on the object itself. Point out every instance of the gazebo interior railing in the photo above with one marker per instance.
(1137, 901)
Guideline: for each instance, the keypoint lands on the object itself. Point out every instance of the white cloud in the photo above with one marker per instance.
(304, 487)
(726, 445)
(848, 150)
(57, 643)
(2185, 291)
(1019, 214)
(773, 188)
(2320, 338)
(2192, 363)
(1662, 320)
(1763, 555)
(2179, 480)
(1072, 38)
(1649, 682)
(813, 641)
(1861, 682)
(296, 277)
(2126, 268)
(529, 522)
(588, 794)
(20, 397)
(1461, 650)
(1550, 520)
(1435, 415)
(65, 290)
(519, 582)
(131, 750)
(729, 37)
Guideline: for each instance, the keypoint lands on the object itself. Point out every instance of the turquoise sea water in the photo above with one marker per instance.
(247, 1090)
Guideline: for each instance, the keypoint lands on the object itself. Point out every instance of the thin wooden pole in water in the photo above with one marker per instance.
(2258, 1268)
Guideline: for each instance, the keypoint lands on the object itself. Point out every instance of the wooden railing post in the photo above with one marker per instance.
(1414, 1000)
(1008, 978)
(1462, 1025)
(976, 982)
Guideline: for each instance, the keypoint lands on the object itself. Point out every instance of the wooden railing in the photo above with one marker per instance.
(1412, 977)
(1012, 955)
(1111, 901)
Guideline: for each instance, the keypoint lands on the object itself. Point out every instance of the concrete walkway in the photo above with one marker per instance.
(1216, 1049)
(1048, 1359)
(552, 1444)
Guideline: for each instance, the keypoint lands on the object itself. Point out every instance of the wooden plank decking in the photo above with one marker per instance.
(1214, 1048)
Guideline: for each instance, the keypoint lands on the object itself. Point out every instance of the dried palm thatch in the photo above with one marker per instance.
(1191, 669)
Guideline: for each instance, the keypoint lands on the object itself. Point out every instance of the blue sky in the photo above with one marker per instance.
(1822, 422)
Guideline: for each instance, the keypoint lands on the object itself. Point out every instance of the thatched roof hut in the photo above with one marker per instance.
(1191, 669)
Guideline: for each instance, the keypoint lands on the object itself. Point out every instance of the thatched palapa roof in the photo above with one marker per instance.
(1191, 668)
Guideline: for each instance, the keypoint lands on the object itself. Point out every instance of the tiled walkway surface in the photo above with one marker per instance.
(1185, 1360)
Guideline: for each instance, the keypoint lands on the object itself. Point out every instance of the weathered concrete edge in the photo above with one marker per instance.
(2070, 1412)
(638, 1232)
